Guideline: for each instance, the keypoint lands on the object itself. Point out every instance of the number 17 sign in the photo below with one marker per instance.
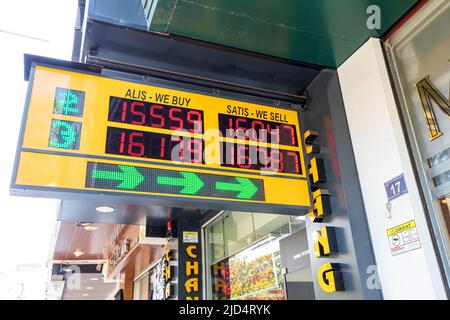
(395, 187)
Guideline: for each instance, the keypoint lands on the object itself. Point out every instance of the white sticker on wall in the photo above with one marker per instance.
(190, 236)
(403, 238)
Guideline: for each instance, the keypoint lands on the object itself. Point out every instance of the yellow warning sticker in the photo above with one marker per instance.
(403, 238)
(402, 227)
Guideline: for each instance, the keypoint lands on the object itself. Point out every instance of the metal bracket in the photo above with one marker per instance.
(304, 104)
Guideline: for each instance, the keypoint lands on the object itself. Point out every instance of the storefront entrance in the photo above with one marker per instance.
(418, 56)
(246, 257)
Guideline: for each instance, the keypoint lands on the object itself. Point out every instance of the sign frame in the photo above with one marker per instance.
(167, 201)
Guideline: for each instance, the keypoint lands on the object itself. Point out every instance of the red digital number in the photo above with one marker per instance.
(241, 128)
(230, 129)
(242, 158)
(157, 146)
(274, 134)
(177, 142)
(229, 154)
(175, 119)
(156, 116)
(276, 161)
(263, 158)
(163, 146)
(122, 142)
(291, 132)
(195, 118)
(195, 149)
(123, 116)
(138, 113)
(258, 134)
(133, 144)
(294, 156)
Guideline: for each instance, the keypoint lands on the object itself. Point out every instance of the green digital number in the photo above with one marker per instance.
(64, 134)
(69, 102)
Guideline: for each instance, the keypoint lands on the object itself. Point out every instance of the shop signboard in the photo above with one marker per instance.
(86, 133)
(190, 282)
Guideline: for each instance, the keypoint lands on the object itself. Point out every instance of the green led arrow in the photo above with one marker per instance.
(128, 176)
(190, 182)
(245, 187)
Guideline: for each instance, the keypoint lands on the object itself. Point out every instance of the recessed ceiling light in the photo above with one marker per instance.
(78, 253)
(89, 288)
(105, 209)
(93, 279)
(82, 224)
(90, 228)
(301, 218)
(85, 294)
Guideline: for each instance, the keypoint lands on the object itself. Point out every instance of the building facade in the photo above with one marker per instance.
(371, 102)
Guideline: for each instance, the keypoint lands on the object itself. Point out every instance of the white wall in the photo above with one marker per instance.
(381, 154)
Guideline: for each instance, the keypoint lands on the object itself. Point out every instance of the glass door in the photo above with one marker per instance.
(419, 58)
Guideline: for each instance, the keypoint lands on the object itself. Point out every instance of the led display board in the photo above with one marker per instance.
(85, 133)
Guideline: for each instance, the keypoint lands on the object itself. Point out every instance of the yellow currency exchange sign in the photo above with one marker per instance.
(85, 133)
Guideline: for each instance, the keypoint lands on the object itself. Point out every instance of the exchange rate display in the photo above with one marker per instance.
(87, 134)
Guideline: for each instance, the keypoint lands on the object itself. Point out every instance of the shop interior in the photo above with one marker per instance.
(246, 256)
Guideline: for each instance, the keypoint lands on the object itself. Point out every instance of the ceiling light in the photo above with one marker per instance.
(104, 209)
(301, 218)
(78, 253)
(93, 279)
(85, 294)
(89, 288)
(90, 228)
(82, 224)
